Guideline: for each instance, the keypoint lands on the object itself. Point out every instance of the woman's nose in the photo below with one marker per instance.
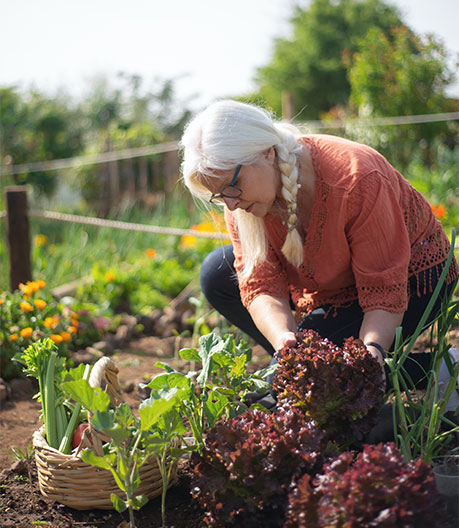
(232, 203)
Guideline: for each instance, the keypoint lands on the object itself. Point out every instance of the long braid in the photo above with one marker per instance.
(287, 161)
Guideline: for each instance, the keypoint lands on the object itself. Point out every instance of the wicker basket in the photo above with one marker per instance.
(72, 482)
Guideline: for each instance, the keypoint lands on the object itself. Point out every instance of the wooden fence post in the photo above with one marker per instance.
(18, 236)
(288, 106)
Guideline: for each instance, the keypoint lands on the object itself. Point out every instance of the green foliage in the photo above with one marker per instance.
(35, 127)
(400, 74)
(218, 389)
(310, 62)
(425, 431)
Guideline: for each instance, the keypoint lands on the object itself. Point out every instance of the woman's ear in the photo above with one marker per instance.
(270, 154)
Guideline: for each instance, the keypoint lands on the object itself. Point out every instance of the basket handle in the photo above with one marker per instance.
(105, 372)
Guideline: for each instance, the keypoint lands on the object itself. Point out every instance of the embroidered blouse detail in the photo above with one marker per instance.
(369, 231)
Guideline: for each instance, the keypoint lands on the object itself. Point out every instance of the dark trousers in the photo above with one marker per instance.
(220, 286)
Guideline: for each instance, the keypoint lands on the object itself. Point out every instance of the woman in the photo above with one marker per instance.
(320, 224)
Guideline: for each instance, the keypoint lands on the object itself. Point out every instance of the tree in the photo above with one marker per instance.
(401, 74)
(310, 63)
(34, 127)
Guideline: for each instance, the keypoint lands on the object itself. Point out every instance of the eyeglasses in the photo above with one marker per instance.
(229, 191)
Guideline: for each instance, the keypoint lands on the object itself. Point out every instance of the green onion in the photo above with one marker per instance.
(49, 402)
(67, 438)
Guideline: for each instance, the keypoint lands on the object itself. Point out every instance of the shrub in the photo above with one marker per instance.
(244, 473)
(378, 488)
(341, 389)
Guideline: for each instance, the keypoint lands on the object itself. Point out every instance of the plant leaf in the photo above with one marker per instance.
(119, 504)
(91, 398)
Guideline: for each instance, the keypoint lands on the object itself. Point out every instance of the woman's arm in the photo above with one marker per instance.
(274, 318)
(378, 326)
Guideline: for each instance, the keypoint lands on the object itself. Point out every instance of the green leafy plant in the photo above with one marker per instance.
(420, 425)
(132, 440)
(218, 389)
(41, 361)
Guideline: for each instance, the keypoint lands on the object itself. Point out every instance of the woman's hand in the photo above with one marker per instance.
(286, 339)
(274, 318)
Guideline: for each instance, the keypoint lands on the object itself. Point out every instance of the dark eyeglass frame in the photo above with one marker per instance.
(220, 197)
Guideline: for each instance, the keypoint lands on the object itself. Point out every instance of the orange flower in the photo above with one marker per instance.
(56, 338)
(51, 322)
(73, 329)
(40, 284)
(14, 337)
(40, 303)
(26, 307)
(2, 301)
(26, 332)
(66, 336)
(109, 276)
(439, 211)
(151, 253)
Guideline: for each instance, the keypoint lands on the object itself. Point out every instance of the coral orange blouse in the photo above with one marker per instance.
(369, 231)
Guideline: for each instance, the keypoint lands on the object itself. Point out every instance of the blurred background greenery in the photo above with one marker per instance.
(347, 60)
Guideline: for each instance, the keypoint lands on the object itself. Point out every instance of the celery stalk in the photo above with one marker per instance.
(64, 446)
(49, 403)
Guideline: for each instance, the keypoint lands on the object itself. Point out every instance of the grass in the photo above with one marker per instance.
(72, 249)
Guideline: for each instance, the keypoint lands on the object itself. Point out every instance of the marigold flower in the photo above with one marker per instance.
(151, 253)
(66, 336)
(40, 240)
(14, 337)
(51, 322)
(2, 301)
(73, 329)
(29, 289)
(439, 211)
(26, 307)
(188, 241)
(56, 338)
(39, 303)
(40, 284)
(109, 276)
(26, 332)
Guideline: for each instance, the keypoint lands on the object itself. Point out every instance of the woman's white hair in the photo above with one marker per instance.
(229, 133)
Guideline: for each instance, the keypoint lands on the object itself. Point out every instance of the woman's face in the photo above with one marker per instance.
(260, 184)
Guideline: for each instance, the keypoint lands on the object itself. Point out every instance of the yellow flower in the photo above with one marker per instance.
(40, 284)
(151, 253)
(39, 303)
(14, 337)
(109, 276)
(26, 332)
(56, 338)
(73, 329)
(66, 336)
(188, 241)
(2, 301)
(51, 322)
(40, 240)
(26, 307)
(29, 289)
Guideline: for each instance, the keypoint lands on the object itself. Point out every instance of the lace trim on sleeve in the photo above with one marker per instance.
(390, 297)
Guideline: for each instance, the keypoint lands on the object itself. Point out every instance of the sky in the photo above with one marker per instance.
(212, 48)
